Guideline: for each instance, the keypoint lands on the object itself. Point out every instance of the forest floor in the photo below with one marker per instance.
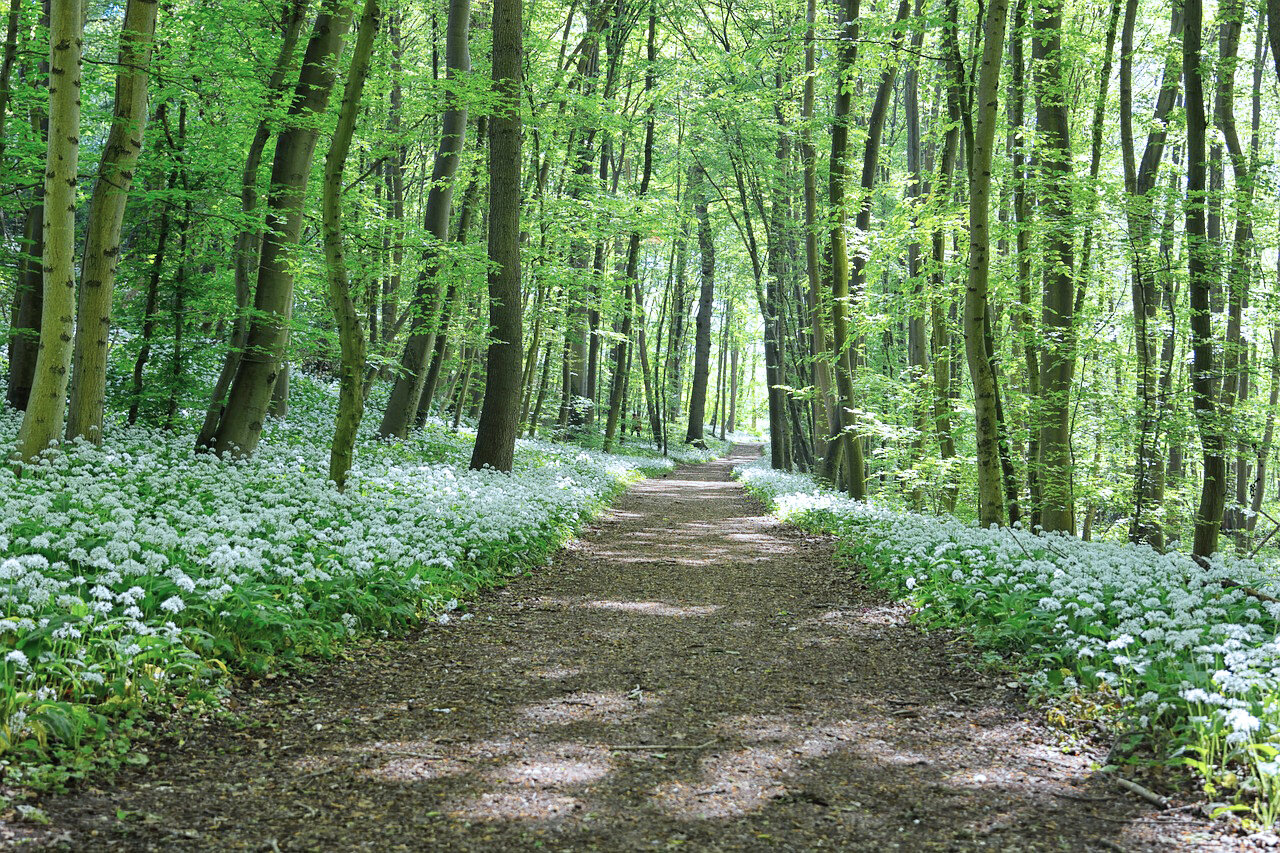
(689, 673)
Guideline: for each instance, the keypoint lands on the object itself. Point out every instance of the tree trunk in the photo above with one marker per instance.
(106, 218)
(634, 302)
(702, 333)
(250, 236)
(499, 420)
(1200, 286)
(345, 314)
(732, 421)
(1140, 182)
(402, 406)
(990, 496)
(152, 301)
(42, 421)
(847, 448)
(1057, 367)
(241, 426)
(825, 417)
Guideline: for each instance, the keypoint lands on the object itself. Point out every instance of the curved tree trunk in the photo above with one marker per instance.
(345, 314)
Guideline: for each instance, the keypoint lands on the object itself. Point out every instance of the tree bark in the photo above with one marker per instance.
(846, 449)
(1057, 367)
(631, 276)
(42, 421)
(702, 328)
(499, 419)
(106, 218)
(345, 314)
(28, 297)
(1200, 286)
(241, 426)
(1140, 182)
(990, 496)
(250, 236)
(402, 406)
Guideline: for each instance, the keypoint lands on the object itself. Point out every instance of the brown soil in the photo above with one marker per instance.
(690, 673)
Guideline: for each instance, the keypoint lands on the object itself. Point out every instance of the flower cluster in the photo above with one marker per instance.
(1193, 652)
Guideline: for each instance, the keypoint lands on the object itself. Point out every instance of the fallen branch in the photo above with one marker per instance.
(1230, 584)
(1146, 793)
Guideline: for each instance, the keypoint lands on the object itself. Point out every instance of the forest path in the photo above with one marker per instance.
(690, 673)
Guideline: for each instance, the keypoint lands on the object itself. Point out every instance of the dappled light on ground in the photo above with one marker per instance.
(690, 673)
(655, 608)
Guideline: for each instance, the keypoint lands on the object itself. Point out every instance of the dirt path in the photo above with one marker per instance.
(689, 674)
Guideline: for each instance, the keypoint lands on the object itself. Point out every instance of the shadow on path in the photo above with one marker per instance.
(689, 674)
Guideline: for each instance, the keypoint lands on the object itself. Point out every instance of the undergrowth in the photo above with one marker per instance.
(1186, 659)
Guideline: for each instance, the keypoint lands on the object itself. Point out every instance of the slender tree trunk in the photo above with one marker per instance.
(42, 421)
(990, 496)
(470, 201)
(847, 448)
(1240, 264)
(250, 236)
(1023, 314)
(28, 297)
(260, 365)
(151, 303)
(702, 334)
(345, 314)
(917, 334)
(496, 433)
(825, 415)
(402, 406)
(732, 422)
(1268, 437)
(1200, 287)
(536, 415)
(1140, 181)
(106, 218)
(12, 21)
(634, 301)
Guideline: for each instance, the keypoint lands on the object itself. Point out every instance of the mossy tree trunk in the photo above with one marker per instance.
(42, 422)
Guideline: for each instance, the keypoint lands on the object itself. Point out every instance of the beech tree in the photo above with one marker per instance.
(47, 405)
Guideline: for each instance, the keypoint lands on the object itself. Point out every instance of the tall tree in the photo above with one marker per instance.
(426, 307)
(249, 239)
(702, 327)
(1213, 490)
(351, 338)
(241, 426)
(1057, 366)
(846, 449)
(499, 419)
(990, 495)
(42, 422)
(106, 218)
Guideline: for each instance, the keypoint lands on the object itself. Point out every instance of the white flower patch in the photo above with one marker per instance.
(1198, 656)
(141, 557)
